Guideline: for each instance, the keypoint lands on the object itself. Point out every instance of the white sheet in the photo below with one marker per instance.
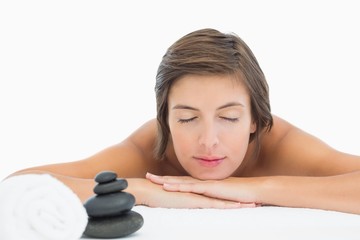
(250, 223)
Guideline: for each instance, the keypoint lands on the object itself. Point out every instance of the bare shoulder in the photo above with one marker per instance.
(132, 157)
(288, 150)
(144, 137)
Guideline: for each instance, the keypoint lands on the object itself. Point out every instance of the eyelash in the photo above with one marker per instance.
(230, 119)
(191, 119)
(186, 120)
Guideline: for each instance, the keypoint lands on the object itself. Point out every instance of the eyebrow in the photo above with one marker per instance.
(230, 104)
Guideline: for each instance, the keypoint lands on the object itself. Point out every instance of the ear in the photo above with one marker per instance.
(253, 127)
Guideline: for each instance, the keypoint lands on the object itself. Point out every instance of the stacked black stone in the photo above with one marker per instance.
(109, 211)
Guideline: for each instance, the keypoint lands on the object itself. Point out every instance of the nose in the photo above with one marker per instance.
(208, 136)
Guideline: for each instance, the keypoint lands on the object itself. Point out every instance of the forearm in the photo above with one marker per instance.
(338, 193)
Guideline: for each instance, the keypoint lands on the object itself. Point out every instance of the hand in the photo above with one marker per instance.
(154, 195)
(240, 190)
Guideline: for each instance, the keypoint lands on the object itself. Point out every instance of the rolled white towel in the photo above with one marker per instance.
(39, 207)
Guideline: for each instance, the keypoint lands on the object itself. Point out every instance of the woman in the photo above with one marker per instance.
(215, 143)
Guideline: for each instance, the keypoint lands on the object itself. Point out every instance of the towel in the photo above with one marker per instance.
(39, 207)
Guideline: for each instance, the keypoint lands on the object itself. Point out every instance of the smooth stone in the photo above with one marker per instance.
(111, 187)
(105, 176)
(108, 205)
(114, 227)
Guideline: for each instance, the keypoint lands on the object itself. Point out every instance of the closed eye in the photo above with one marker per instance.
(186, 120)
(230, 119)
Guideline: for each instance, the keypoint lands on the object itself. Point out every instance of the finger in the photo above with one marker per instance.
(209, 189)
(170, 179)
(188, 187)
(162, 179)
(202, 189)
(248, 205)
(154, 178)
(223, 204)
(219, 204)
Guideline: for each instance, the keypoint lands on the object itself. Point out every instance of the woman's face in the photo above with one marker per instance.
(210, 124)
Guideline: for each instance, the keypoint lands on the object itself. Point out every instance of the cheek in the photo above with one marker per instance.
(182, 142)
(235, 143)
(234, 133)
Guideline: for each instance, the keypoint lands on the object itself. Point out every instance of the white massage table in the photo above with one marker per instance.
(249, 223)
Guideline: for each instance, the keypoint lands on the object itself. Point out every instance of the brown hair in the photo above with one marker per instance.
(208, 51)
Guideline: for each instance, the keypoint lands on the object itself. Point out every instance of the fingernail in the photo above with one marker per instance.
(151, 175)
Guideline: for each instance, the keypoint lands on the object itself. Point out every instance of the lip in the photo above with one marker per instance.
(209, 161)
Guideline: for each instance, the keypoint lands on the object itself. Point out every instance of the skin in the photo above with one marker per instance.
(210, 135)
(209, 161)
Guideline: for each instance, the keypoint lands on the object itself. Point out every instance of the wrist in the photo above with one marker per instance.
(268, 189)
(284, 190)
(137, 189)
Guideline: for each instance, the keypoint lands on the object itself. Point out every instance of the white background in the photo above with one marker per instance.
(78, 76)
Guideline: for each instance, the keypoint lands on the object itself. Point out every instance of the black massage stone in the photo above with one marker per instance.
(111, 187)
(109, 204)
(109, 210)
(114, 227)
(105, 176)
